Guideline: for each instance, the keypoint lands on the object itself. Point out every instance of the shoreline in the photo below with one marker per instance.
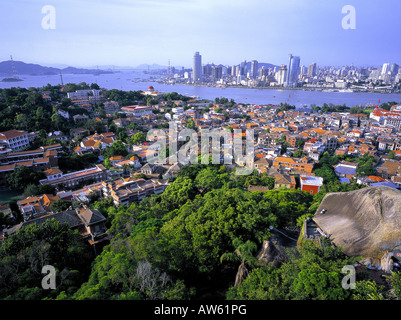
(276, 88)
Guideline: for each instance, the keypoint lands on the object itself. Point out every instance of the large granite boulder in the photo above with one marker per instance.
(365, 222)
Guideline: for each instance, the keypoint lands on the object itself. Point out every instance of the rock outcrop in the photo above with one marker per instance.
(365, 222)
(273, 251)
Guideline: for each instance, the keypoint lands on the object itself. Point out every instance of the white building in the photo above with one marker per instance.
(137, 111)
(14, 139)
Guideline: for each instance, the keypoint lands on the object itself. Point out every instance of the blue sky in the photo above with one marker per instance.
(132, 32)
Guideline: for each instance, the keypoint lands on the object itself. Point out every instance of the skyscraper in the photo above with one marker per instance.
(385, 68)
(254, 68)
(312, 70)
(243, 68)
(197, 67)
(281, 75)
(293, 71)
(394, 69)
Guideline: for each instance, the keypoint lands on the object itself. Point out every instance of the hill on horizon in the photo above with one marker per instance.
(22, 68)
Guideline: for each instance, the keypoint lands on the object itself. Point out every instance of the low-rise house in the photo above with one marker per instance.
(258, 188)
(298, 164)
(89, 223)
(284, 181)
(38, 164)
(121, 122)
(125, 191)
(346, 170)
(95, 143)
(310, 184)
(14, 139)
(153, 170)
(262, 165)
(34, 206)
(172, 171)
(389, 168)
(76, 178)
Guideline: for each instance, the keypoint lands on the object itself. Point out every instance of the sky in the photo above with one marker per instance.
(133, 32)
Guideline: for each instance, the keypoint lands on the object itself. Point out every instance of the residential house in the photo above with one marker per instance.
(262, 165)
(125, 191)
(346, 170)
(258, 188)
(34, 206)
(284, 181)
(153, 170)
(90, 223)
(95, 143)
(14, 139)
(76, 178)
(296, 164)
(389, 168)
(172, 171)
(310, 184)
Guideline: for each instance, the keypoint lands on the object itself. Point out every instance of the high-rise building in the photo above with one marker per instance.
(293, 71)
(312, 70)
(394, 69)
(243, 68)
(281, 75)
(254, 68)
(385, 68)
(197, 67)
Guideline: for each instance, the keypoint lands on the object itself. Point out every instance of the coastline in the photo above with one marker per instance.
(279, 88)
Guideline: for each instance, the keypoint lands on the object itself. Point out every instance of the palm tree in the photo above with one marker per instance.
(244, 253)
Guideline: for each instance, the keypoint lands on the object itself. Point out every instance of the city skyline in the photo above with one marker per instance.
(129, 33)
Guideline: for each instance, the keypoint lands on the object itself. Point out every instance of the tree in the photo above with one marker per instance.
(60, 205)
(23, 176)
(35, 190)
(107, 163)
(24, 253)
(243, 252)
(311, 273)
(138, 138)
(118, 148)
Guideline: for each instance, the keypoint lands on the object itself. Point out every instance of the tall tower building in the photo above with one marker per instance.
(385, 68)
(293, 71)
(197, 67)
(254, 68)
(243, 68)
(312, 70)
(281, 75)
(394, 69)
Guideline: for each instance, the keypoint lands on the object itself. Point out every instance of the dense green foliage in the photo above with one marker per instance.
(189, 241)
(23, 176)
(23, 254)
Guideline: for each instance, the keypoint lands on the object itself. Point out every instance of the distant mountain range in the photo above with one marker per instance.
(22, 68)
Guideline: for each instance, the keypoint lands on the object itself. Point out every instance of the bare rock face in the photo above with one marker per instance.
(365, 222)
(271, 254)
(386, 262)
